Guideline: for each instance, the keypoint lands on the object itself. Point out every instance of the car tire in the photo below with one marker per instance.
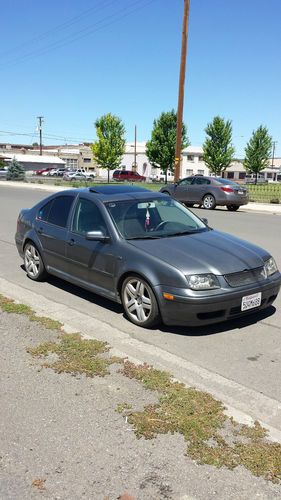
(166, 192)
(33, 263)
(189, 205)
(232, 208)
(139, 302)
(209, 202)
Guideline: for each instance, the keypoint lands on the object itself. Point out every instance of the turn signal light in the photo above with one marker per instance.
(168, 296)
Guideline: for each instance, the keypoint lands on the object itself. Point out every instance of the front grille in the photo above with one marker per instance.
(246, 277)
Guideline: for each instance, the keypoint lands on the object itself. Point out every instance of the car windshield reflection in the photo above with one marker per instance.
(153, 219)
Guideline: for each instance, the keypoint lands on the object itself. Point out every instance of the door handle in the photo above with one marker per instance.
(71, 242)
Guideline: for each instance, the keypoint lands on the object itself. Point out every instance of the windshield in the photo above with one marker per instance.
(154, 218)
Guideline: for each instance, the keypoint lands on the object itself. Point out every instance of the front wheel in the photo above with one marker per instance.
(139, 302)
(209, 202)
(33, 263)
(232, 208)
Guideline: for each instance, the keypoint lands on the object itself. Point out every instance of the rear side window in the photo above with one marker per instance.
(43, 213)
(57, 211)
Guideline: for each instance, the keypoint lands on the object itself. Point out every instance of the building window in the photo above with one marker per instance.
(189, 171)
(230, 175)
(87, 160)
(71, 162)
(200, 172)
(190, 157)
(242, 175)
(201, 158)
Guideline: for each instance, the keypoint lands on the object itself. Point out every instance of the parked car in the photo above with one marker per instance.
(161, 177)
(77, 176)
(128, 175)
(208, 192)
(42, 171)
(3, 173)
(57, 172)
(147, 251)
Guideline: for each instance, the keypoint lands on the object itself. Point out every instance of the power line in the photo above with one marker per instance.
(47, 136)
(60, 27)
(83, 32)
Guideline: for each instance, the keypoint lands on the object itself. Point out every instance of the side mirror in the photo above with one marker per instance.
(96, 236)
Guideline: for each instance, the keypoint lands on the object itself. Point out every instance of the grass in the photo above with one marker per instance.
(10, 306)
(212, 438)
(261, 193)
(76, 355)
(202, 422)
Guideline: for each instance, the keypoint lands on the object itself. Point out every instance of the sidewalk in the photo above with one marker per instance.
(250, 207)
(63, 438)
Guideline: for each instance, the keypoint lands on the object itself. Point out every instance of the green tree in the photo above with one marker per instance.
(15, 171)
(258, 151)
(2, 163)
(161, 148)
(217, 149)
(110, 145)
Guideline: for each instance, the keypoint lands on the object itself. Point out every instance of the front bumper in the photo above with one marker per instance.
(208, 309)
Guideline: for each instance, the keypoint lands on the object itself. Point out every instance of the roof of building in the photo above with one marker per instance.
(193, 150)
(25, 158)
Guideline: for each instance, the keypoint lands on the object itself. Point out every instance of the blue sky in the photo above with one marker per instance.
(72, 61)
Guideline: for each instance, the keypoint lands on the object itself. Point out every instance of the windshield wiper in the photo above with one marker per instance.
(144, 238)
(181, 233)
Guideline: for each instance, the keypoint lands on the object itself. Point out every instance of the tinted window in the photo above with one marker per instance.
(60, 209)
(44, 211)
(87, 217)
(201, 180)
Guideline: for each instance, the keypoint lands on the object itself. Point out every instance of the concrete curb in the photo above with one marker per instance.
(251, 207)
(242, 403)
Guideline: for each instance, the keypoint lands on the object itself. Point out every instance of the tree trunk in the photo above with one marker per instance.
(108, 170)
(256, 178)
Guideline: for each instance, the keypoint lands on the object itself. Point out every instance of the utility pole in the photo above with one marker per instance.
(135, 150)
(40, 121)
(273, 152)
(181, 89)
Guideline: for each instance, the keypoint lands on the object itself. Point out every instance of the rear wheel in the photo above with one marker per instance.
(189, 205)
(33, 263)
(139, 302)
(209, 202)
(232, 208)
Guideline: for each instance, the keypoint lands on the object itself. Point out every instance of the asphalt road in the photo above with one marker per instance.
(246, 351)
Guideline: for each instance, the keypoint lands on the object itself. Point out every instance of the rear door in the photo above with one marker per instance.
(51, 228)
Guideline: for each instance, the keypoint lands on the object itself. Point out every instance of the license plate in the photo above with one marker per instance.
(251, 301)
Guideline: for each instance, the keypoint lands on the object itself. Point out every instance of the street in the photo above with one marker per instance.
(246, 352)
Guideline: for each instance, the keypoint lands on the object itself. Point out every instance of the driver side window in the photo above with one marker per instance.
(87, 217)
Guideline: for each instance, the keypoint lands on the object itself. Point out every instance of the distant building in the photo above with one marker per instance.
(81, 156)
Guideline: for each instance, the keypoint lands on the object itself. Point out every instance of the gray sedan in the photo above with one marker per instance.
(208, 192)
(148, 252)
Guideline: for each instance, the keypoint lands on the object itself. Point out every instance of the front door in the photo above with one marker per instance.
(91, 263)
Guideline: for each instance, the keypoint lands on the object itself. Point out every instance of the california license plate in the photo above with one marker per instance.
(251, 301)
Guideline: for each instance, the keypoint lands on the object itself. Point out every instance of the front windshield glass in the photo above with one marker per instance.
(154, 218)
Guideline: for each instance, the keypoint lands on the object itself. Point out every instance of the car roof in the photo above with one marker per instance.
(109, 192)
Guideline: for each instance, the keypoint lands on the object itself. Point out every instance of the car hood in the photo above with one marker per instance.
(211, 251)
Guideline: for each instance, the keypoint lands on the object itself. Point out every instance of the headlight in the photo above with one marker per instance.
(270, 267)
(202, 281)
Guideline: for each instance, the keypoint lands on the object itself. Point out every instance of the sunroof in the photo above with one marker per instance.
(109, 189)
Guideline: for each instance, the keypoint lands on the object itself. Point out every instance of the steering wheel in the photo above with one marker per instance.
(162, 224)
